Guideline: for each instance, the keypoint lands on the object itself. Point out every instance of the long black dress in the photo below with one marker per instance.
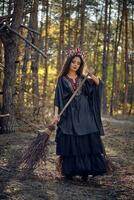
(78, 132)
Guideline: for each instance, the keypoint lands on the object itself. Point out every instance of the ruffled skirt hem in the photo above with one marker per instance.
(83, 165)
(81, 155)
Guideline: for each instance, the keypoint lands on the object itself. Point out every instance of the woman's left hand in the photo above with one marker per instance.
(91, 71)
(91, 74)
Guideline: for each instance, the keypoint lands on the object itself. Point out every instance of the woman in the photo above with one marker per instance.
(79, 129)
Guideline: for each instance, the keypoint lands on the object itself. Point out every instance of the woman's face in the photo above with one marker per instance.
(75, 64)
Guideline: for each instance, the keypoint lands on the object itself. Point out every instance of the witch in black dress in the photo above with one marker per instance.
(79, 129)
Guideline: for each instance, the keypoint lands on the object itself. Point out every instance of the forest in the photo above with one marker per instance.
(34, 38)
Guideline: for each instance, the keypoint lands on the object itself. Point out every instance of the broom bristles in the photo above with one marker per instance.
(109, 164)
(38, 148)
(35, 151)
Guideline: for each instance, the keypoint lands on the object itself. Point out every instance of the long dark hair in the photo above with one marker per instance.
(66, 66)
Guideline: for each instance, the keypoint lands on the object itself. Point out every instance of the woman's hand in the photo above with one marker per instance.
(93, 77)
(91, 71)
(56, 119)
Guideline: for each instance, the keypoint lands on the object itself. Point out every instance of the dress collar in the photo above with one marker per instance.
(73, 85)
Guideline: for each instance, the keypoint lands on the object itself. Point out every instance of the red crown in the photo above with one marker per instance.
(77, 51)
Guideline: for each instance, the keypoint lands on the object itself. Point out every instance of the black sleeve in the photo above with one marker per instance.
(97, 96)
(58, 99)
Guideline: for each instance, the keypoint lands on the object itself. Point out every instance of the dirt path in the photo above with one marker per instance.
(43, 183)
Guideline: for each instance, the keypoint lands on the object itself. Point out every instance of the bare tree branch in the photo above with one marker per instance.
(2, 26)
(30, 29)
(27, 41)
(5, 17)
(5, 115)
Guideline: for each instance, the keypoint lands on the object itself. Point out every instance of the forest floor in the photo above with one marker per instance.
(44, 183)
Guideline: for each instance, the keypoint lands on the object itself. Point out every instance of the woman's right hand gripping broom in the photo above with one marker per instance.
(56, 119)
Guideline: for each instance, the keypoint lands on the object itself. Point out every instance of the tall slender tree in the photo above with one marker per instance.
(10, 42)
(82, 22)
(104, 62)
(125, 7)
(77, 24)
(132, 63)
(116, 44)
(46, 49)
(35, 58)
(24, 70)
(60, 58)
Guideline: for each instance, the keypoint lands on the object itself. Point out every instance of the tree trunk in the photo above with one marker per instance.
(126, 57)
(24, 70)
(109, 31)
(82, 21)
(104, 64)
(1, 74)
(114, 79)
(77, 25)
(46, 49)
(60, 58)
(35, 59)
(69, 25)
(8, 123)
(1, 68)
(132, 65)
(96, 48)
(10, 42)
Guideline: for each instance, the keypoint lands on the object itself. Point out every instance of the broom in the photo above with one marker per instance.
(38, 148)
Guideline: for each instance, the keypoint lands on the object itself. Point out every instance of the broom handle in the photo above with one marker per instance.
(74, 94)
